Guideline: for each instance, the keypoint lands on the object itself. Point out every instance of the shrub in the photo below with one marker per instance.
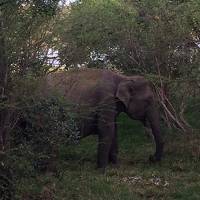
(45, 123)
(39, 124)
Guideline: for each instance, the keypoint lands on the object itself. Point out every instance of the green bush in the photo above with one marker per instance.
(38, 126)
(45, 123)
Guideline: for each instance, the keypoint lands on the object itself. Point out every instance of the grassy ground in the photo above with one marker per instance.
(73, 175)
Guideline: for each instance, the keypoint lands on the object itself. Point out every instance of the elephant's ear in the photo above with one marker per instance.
(124, 92)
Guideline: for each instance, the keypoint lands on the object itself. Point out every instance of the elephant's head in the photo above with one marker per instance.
(137, 97)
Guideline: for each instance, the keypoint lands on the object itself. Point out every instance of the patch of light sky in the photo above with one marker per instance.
(65, 2)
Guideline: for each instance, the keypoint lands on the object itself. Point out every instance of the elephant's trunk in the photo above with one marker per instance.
(153, 118)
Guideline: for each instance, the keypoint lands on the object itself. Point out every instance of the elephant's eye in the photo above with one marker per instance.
(130, 89)
(147, 101)
(150, 100)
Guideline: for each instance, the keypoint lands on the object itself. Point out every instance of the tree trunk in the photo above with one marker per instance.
(3, 82)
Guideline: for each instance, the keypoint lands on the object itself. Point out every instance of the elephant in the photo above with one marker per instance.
(104, 94)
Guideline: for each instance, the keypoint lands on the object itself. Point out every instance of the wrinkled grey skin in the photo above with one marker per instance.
(104, 94)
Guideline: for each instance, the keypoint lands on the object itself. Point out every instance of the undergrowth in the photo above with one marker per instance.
(72, 175)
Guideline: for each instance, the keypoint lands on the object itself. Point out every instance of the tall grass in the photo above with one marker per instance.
(73, 175)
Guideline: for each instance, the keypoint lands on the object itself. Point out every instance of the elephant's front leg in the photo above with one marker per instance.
(114, 149)
(106, 130)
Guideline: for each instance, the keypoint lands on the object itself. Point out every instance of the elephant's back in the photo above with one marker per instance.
(81, 86)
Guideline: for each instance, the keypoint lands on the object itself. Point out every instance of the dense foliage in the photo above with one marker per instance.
(136, 36)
